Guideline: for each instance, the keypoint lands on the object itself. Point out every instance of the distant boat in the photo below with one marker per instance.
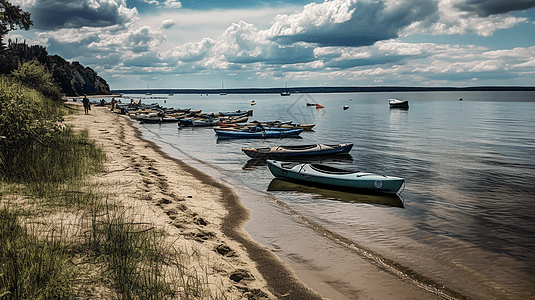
(346, 107)
(285, 93)
(319, 106)
(397, 103)
(253, 102)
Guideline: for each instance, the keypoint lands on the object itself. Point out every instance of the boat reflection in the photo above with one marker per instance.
(253, 163)
(336, 194)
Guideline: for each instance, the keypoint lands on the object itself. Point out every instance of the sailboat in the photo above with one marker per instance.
(285, 93)
(148, 93)
(222, 93)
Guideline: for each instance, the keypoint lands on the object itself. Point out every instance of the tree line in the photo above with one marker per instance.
(71, 78)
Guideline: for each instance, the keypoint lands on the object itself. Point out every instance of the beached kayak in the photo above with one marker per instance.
(255, 133)
(297, 150)
(331, 176)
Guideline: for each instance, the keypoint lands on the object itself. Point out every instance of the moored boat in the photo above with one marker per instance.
(397, 103)
(256, 133)
(297, 150)
(331, 176)
(237, 113)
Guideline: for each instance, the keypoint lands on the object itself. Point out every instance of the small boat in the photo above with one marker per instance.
(306, 127)
(336, 194)
(297, 150)
(286, 93)
(346, 107)
(319, 106)
(237, 113)
(145, 120)
(320, 174)
(397, 103)
(253, 102)
(256, 133)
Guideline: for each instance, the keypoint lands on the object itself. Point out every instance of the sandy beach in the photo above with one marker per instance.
(195, 211)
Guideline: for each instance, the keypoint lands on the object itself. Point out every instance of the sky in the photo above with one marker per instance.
(262, 43)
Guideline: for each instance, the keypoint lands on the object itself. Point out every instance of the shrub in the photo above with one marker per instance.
(34, 75)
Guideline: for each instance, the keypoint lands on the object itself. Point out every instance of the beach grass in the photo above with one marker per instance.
(44, 174)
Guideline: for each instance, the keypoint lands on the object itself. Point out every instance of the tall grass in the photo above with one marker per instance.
(48, 163)
(31, 268)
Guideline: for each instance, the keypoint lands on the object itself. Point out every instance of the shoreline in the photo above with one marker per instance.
(214, 225)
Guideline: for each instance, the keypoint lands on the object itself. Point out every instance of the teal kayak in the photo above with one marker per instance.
(331, 176)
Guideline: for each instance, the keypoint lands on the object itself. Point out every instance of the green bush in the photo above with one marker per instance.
(34, 145)
(34, 75)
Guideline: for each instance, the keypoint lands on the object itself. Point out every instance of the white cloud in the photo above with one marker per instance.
(452, 20)
(166, 24)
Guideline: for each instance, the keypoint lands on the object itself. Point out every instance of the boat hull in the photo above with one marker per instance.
(230, 134)
(297, 151)
(311, 173)
(396, 103)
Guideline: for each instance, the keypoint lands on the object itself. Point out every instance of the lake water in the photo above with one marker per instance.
(465, 220)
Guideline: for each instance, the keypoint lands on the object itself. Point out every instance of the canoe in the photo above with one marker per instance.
(256, 134)
(297, 150)
(331, 176)
(145, 120)
(217, 121)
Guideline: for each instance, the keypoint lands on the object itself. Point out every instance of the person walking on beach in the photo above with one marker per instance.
(113, 102)
(85, 101)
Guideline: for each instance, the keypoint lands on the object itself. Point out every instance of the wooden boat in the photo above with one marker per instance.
(397, 103)
(331, 176)
(297, 150)
(256, 133)
(307, 127)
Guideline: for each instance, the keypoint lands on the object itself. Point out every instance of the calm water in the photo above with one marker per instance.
(466, 218)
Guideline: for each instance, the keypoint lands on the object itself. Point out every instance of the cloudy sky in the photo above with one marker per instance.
(262, 43)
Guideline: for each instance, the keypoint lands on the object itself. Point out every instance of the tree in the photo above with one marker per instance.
(12, 17)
